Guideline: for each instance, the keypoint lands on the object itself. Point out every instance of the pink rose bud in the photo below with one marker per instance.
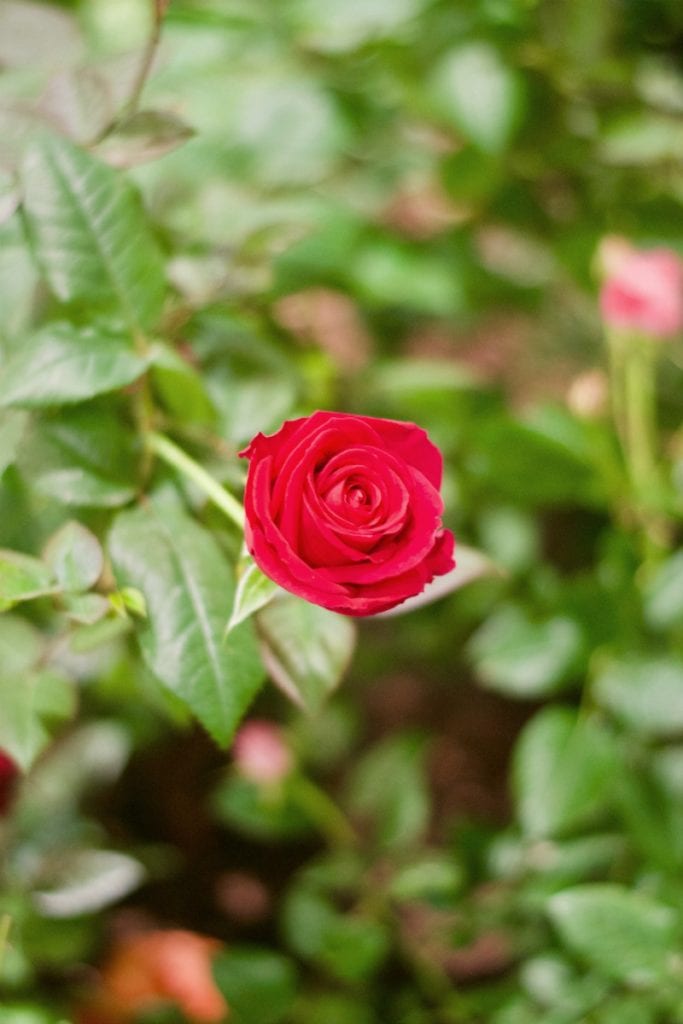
(261, 754)
(642, 290)
(8, 777)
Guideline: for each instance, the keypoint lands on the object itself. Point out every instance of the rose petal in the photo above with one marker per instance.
(345, 511)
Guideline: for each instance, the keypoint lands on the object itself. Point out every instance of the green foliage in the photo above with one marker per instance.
(62, 364)
(188, 587)
(526, 658)
(390, 207)
(622, 934)
(483, 97)
(254, 591)
(88, 233)
(388, 787)
(563, 772)
(260, 986)
(306, 648)
(31, 702)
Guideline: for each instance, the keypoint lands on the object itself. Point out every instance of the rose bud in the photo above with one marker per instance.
(148, 970)
(261, 754)
(642, 289)
(8, 779)
(345, 511)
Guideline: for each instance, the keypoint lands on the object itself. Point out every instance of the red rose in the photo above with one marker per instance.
(345, 511)
(8, 778)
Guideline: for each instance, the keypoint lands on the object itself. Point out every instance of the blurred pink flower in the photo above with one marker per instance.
(261, 754)
(8, 778)
(162, 966)
(642, 289)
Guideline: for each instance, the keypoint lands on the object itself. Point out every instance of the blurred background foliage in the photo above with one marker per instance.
(390, 207)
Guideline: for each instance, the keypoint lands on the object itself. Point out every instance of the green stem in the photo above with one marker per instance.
(633, 366)
(639, 389)
(5, 926)
(178, 459)
(146, 62)
(616, 344)
(324, 813)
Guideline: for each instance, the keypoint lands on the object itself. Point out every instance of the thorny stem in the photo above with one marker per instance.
(170, 453)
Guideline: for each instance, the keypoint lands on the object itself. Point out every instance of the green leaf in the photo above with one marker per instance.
(78, 102)
(188, 588)
(332, 1007)
(133, 601)
(12, 428)
(83, 881)
(510, 536)
(627, 1009)
(145, 135)
(254, 591)
(259, 986)
(471, 176)
(31, 703)
(22, 578)
(63, 363)
(306, 649)
(642, 139)
(562, 773)
(480, 94)
(75, 556)
(651, 815)
(387, 272)
(523, 658)
(89, 233)
(555, 469)
(663, 598)
(87, 609)
(10, 197)
(646, 694)
(388, 788)
(471, 565)
(354, 946)
(180, 386)
(275, 815)
(433, 877)
(85, 457)
(571, 861)
(21, 645)
(349, 946)
(100, 633)
(335, 28)
(622, 934)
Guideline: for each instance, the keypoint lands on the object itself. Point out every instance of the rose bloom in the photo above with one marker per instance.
(261, 754)
(642, 290)
(345, 511)
(148, 970)
(8, 778)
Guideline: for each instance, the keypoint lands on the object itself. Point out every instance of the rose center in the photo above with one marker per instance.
(356, 496)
